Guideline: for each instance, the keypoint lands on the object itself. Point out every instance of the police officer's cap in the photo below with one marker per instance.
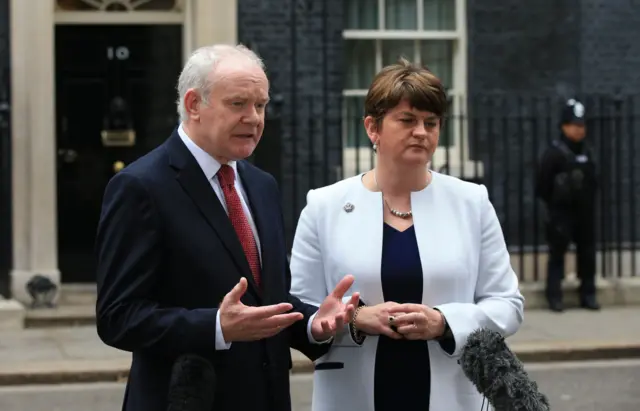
(572, 113)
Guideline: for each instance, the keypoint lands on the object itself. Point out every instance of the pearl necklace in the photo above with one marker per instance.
(393, 211)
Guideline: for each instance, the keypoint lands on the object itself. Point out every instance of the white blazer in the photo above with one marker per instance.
(467, 276)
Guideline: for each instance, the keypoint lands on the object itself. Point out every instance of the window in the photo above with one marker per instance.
(121, 11)
(377, 33)
(117, 5)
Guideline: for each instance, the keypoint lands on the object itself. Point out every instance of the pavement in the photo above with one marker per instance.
(58, 355)
(583, 386)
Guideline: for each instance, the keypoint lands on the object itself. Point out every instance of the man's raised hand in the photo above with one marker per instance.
(241, 322)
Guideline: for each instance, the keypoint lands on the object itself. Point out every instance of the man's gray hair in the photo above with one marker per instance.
(198, 72)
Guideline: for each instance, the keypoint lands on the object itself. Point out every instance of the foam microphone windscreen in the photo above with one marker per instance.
(192, 384)
(499, 375)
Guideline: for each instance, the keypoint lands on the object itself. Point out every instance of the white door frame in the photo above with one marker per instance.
(33, 116)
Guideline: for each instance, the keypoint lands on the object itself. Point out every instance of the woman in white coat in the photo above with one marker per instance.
(427, 253)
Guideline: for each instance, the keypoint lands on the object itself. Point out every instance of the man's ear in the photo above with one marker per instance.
(192, 102)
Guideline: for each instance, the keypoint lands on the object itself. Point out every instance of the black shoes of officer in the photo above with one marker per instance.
(556, 306)
(589, 303)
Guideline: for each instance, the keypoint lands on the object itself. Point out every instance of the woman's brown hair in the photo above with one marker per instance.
(405, 80)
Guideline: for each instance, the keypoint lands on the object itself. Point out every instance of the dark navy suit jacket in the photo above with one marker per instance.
(167, 255)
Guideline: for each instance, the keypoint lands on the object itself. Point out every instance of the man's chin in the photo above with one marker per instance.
(241, 153)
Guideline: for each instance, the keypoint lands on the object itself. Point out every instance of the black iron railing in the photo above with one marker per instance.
(5, 152)
(493, 140)
(5, 197)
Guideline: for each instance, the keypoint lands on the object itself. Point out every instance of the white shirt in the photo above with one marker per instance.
(210, 167)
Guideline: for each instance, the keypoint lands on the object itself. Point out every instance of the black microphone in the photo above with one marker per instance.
(499, 375)
(192, 384)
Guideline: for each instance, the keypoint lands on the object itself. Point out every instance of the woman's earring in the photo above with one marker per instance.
(375, 147)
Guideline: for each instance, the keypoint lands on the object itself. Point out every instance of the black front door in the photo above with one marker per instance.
(115, 101)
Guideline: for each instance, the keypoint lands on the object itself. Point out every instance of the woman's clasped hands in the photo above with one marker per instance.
(374, 320)
(417, 321)
(401, 321)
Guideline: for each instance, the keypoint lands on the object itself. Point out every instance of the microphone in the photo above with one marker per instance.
(499, 375)
(192, 384)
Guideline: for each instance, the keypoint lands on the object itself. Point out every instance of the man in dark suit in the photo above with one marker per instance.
(191, 251)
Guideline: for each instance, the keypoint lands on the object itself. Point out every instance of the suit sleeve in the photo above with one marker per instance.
(300, 338)
(307, 267)
(299, 331)
(129, 262)
(498, 302)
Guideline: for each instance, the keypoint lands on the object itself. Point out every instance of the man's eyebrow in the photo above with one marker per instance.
(245, 97)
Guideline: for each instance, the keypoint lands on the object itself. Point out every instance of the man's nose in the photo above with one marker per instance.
(252, 116)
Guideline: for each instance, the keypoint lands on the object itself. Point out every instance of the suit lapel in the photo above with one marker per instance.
(192, 179)
(265, 221)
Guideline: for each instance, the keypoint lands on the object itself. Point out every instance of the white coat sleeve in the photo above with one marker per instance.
(308, 281)
(498, 305)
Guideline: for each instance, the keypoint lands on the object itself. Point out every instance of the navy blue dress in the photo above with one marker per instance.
(402, 370)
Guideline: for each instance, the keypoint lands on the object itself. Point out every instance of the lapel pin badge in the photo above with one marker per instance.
(348, 207)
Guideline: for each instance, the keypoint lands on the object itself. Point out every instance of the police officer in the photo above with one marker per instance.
(566, 182)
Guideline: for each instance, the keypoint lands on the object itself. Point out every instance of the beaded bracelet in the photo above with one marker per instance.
(357, 336)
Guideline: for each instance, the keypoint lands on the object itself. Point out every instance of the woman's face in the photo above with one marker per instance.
(406, 135)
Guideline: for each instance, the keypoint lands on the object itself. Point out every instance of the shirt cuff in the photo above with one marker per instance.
(310, 335)
(221, 344)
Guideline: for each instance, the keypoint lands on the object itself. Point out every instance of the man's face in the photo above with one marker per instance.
(575, 132)
(230, 124)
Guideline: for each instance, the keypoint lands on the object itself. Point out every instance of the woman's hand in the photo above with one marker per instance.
(417, 322)
(374, 320)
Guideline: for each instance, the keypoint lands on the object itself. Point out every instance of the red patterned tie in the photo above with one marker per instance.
(239, 220)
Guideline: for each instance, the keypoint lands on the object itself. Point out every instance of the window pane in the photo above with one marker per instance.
(438, 56)
(356, 134)
(360, 63)
(360, 14)
(401, 15)
(392, 50)
(439, 14)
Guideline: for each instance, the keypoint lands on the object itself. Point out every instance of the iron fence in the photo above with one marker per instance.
(5, 152)
(494, 140)
(5, 196)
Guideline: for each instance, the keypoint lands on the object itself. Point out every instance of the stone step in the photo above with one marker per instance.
(61, 316)
(77, 294)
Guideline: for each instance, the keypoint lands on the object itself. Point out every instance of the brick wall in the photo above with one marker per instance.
(303, 55)
(610, 64)
(610, 51)
(524, 60)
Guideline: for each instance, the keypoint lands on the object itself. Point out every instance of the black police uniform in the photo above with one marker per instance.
(567, 182)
